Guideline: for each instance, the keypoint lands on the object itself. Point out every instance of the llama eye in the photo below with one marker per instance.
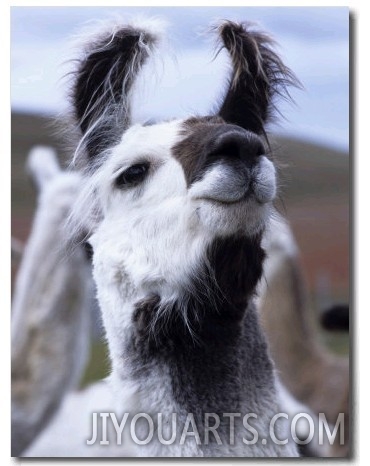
(133, 175)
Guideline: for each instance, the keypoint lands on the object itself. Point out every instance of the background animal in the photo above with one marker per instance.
(314, 375)
(51, 304)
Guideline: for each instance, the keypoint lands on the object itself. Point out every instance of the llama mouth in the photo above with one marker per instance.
(224, 202)
(252, 193)
(226, 186)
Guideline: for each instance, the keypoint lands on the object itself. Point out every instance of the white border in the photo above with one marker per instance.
(360, 240)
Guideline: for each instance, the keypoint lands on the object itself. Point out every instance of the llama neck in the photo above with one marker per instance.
(213, 361)
(216, 357)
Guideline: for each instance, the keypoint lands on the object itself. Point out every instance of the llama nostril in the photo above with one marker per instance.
(256, 146)
(238, 144)
(227, 148)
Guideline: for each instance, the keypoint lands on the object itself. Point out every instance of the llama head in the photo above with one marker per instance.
(160, 195)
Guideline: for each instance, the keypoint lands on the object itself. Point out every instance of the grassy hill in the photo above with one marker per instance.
(315, 197)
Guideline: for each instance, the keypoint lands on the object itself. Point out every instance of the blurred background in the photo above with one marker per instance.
(312, 140)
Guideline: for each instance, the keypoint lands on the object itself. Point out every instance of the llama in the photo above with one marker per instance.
(50, 318)
(49, 435)
(284, 310)
(176, 212)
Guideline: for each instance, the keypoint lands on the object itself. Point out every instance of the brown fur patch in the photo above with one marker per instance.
(209, 140)
(192, 149)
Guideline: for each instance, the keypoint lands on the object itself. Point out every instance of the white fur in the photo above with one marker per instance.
(292, 408)
(67, 434)
(264, 180)
(280, 244)
(42, 164)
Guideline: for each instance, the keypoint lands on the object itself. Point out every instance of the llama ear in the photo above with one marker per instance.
(103, 80)
(258, 75)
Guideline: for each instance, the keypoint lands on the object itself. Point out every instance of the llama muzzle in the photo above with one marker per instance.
(235, 168)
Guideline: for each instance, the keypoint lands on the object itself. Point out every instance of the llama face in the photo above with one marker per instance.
(157, 198)
(167, 191)
(219, 171)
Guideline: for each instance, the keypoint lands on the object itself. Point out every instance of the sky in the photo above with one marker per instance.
(313, 41)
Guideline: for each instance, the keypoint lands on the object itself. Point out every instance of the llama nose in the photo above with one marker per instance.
(237, 144)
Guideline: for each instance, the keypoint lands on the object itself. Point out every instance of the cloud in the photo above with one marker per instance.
(314, 42)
